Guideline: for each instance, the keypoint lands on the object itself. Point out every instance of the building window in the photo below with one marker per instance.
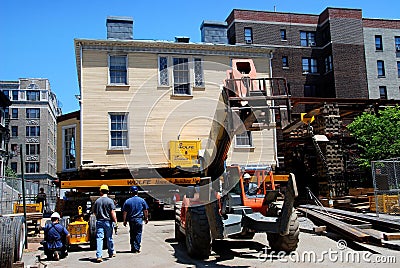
(14, 166)
(283, 35)
(307, 39)
(248, 35)
(15, 94)
(310, 91)
(378, 42)
(32, 167)
(14, 131)
(119, 130)
(32, 131)
(6, 93)
(163, 71)
(14, 113)
(328, 63)
(285, 62)
(32, 149)
(181, 76)
(118, 70)
(32, 95)
(7, 113)
(398, 69)
(198, 73)
(309, 65)
(381, 68)
(382, 93)
(69, 152)
(244, 139)
(397, 43)
(33, 113)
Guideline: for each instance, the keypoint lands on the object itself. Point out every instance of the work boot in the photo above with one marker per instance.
(99, 260)
(56, 256)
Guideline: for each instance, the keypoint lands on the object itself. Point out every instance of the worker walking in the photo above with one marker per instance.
(135, 210)
(55, 238)
(41, 198)
(104, 210)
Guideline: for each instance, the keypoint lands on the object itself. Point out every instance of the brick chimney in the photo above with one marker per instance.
(120, 28)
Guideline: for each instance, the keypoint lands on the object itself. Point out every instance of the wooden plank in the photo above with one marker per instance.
(338, 226)
(391, 236)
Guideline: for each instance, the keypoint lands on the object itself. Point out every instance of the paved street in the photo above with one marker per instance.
(159, 249)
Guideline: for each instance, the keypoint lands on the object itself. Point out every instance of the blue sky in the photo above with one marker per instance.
(37, 36)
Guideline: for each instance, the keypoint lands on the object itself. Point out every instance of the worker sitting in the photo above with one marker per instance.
(55, 239)
(250, 188)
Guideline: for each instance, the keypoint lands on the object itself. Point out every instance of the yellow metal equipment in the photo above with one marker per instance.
(30, 208)
(184, 153)
(79, 230)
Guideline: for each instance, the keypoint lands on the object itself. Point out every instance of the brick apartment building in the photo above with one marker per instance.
(336, 54)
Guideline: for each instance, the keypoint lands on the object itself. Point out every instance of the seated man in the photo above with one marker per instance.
(55, 238)
(250, 188)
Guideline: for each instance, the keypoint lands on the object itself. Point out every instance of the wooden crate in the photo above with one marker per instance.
(386, 203)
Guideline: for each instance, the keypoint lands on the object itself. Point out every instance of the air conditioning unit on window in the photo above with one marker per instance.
(397, 48)
(312, 44)
(249, 41)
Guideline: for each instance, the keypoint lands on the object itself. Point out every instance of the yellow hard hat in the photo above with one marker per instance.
(104, 187)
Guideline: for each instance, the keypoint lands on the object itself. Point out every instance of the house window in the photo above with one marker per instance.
(198, 73)
(181, 76)
(6, 93)
(285, 62)
(398, 69)
(397, 43)
(117, 69)
(33, 113)
(283, 35)
(14, 166)
(32, 149)
(32, 167)
(14, 113)
(381, 68)
(163, 71)
(119, 130)
(378, 42)
(32, 131)
(32, 95)
(309, 65)
(382, 93)
(69, 152)
(244, 139)
(328, 63)
(15, 94)
(14, 131)
(248, 35)
(307, 39)
(310, 91)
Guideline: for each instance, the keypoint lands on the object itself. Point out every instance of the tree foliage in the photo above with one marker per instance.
(377, 135)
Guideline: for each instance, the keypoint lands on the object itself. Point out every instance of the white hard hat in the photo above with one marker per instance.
(55, 215)
(246, 176)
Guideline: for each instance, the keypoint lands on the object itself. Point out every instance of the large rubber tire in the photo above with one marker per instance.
(289, 242)
(18, 227)
(92, 231)
(198, 238)
(7, 242)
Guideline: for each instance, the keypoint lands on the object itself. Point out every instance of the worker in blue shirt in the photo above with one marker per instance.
(135, 210)
(55, 238)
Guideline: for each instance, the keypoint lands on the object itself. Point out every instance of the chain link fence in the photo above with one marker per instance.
(386, 178)
(11, 193)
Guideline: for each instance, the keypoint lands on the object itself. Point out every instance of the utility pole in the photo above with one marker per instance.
(23, 193)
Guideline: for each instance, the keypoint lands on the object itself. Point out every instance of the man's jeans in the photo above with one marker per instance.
(104, 230)
(135, 229)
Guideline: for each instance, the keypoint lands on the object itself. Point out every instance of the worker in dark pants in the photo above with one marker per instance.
(55, 238)
(135, 210)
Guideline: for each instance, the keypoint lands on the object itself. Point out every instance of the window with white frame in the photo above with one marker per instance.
(307, 39)
(244, 139)
(32, 149)
(398, 69)
(380, 64)
(198, 72)
(283, 35)
(328, 63)
(69, 151)
(382, 93)
(32, 131)
(248, 35)
(32, 95)
(163, 71)
(33, 113)
(118, 69)
(181, 76)
(14, 113)
(15, 94)
(378, 42)
(309, 65)
(32, 167)
(397, 43)
(285, 62)
(118, 130)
